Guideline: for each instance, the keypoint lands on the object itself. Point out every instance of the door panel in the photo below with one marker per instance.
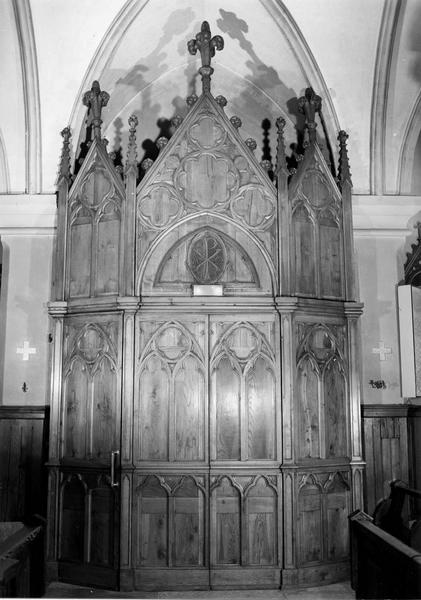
(206, 476)
(89, 498)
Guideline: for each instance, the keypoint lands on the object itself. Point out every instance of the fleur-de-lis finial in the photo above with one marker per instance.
(309, 105)
(206, 44)
(95, 99)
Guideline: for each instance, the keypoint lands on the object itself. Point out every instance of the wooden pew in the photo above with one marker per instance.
(388, 514)
(383, 563)
(21, 560)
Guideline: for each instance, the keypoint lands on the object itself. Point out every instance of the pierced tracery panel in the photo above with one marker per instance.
(207, 170)
(206, 256)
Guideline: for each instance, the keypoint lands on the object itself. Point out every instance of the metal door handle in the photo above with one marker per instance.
(114, 456)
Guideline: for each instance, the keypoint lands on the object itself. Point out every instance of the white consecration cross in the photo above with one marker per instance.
(382, 351)
(26, 351)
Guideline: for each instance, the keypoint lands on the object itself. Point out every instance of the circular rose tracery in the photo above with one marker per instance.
(207, 258)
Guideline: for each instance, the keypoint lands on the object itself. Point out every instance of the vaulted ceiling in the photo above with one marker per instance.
(363, 58)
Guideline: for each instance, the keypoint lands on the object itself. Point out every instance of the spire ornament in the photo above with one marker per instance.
(206, 44)
(281, 164)
(95, 100)
(64, 169)
(344, 173)
(309, 105)
(131, 162)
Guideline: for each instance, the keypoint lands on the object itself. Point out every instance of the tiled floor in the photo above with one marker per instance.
(336, 591)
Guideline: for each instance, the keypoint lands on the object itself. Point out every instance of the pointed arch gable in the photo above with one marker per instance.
(244, 244)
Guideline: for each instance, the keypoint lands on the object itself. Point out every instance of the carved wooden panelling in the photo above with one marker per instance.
(206, 257)
(321, 391)
(317, 267)
(207, 171)
(386, 444)
(323, 506)
(91, 395)
(94, 232)
(23, 449)
(171, 408)
(197, 251)
(171, 521)
(244, 520)
(173, 404)
(88, 524)
(243, 384)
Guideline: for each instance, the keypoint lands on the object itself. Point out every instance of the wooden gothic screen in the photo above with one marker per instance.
(205, 427)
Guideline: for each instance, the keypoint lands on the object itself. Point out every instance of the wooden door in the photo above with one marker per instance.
(90, 444)
(206, 449)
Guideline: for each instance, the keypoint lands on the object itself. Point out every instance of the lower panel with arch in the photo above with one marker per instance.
(88, 528)
(203, 531)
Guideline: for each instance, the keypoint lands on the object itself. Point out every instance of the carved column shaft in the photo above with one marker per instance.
(129, 215)
(286, 308)
(130, 306)
(350, 283)
(353, 311)
(56, 311)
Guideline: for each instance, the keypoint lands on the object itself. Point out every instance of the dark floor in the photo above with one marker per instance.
(336, 591)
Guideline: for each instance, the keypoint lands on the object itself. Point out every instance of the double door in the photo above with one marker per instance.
(206, 510)
(197, 504)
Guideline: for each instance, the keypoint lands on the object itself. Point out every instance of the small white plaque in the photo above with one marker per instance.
(208, 290)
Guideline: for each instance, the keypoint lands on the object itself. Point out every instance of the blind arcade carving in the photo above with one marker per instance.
(235, 417)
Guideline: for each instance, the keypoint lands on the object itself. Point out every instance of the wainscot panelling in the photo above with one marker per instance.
(391, 447)
(23, 452)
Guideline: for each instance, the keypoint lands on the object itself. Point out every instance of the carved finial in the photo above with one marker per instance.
(344, 173)
(132, 147)
(161, 142)
(64, 169)
(146, 164)
(236, 121)
(267, 165)
(95, 99)
(221, 100)
(309, 105)
(206, 44)
(251, 143)
(176, 121)
(280, 153)
(191, 100)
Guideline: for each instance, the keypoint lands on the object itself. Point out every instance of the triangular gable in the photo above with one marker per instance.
(96, 158)
(313, 162)
(206, 166)
(207, 104)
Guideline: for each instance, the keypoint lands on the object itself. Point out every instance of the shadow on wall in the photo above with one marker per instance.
(255, 106)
